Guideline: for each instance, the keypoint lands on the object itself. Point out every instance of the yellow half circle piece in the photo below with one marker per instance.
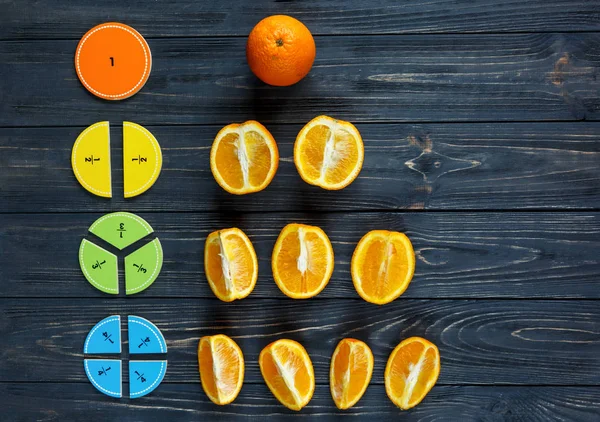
(142, 159)
(90, 159)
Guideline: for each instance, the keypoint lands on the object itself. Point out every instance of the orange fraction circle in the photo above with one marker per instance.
(113, 61)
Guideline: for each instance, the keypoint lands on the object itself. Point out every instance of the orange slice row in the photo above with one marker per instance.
(328, 153)
(302, 262)
(411, 371)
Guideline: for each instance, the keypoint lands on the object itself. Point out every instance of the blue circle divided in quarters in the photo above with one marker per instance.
(145, 376)
(105, 337)
(105, 375)
(144, 337)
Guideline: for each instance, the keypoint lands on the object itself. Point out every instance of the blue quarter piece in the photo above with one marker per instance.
(105, 337)
(144, 337)
(145, 376)
(105, 375)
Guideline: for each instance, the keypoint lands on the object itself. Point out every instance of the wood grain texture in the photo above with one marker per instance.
(59, 19)
(481, 342)
(472, 109)
(460, 255)
(411, 78)
(427, 166)
(184, 402)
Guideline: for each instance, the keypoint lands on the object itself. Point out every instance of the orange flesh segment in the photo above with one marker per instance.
(343, 158)
(221, 368)
(205, 361)
(352, 367)
(302, 261)
(312, 150)
(287, 370)
(244, 157)
(230, 264)
(259, 157)
(383, 265)
(412, 371)
(329, 153)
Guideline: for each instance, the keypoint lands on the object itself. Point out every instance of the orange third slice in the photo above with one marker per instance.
(244, 158)
(328, 153)
(411, 371)
(382, 266)
(230, 264)
(302, 261)
(113, 61)
(221, 365)
(288, 372)
(350, 373)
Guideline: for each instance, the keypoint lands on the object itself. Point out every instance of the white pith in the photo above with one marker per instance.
(385, 265)
(222, 386)
(413, 376)
(302, 260)
(288, 374)
(242, 156)
(329, 153)
(225, 267)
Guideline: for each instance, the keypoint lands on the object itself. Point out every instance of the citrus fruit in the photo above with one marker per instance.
(411, 371)
(350, 372)
(221, 364)
(382, 266)
(280, 50)
(244, 157)
(329, 153)
(302, 261)
(288, 372)
(230, 264)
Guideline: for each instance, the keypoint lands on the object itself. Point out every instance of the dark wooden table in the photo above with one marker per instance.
(481, 122)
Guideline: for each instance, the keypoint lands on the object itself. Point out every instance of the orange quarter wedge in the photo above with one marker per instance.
(383, 265)
(221, 365)
(302, 261)
(329, 153)
(288, 372)
(350, 372)
(411, 371)
(244, 158)
(230, 264)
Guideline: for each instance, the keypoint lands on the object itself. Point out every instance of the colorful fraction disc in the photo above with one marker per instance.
(106, 374)
(90, 159)
(113, 61)
(142, 159)
(101, 267)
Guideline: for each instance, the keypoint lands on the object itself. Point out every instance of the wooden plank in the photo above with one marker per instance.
(459, 255)
(182, 402)
(425, 78)
(57, 19)
(517, 342)
(429, 166)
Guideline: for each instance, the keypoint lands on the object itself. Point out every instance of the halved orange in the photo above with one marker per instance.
(244, 158)
(350, 372)
(302, 261)
(383, 264)
(288, 372)
(221, 365)
(329, 153)
(411, 371)
(230, 264)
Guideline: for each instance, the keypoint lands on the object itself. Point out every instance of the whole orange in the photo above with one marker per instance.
(280, 50)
